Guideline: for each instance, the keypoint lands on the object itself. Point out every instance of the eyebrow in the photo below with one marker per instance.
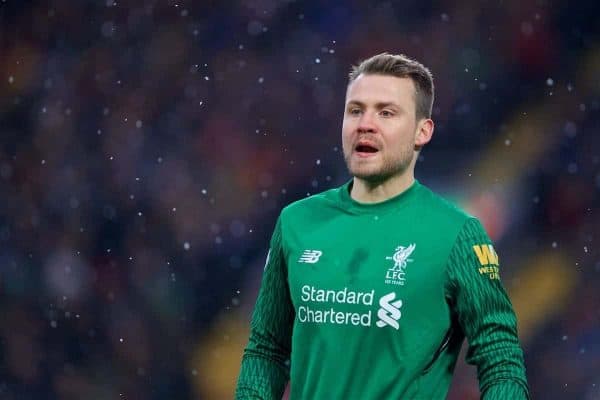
(378, 105)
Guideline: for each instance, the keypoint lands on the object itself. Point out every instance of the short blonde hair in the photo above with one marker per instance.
(402, 67)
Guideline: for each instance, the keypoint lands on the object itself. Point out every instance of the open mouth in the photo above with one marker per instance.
(364, 148)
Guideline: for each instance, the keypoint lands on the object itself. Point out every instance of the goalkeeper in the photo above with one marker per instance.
(370, 289)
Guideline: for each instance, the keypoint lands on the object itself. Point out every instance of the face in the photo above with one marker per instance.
(380, 130)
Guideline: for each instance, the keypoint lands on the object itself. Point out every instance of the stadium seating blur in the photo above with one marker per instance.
(147, 148)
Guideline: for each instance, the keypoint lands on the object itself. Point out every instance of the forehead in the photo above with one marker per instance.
(381, 88)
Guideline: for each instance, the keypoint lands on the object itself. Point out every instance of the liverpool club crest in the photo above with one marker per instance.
(395, 275)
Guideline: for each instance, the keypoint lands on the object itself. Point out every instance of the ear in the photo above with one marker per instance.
(424, 132)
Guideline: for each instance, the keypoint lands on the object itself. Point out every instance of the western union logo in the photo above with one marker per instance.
(488, 259)
(486, 254)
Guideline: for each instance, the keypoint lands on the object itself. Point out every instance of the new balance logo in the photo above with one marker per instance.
(310, 256)
(389, 313)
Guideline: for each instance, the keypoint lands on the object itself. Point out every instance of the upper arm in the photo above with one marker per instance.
(483, 308)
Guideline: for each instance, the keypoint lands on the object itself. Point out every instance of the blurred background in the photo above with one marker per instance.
(148, 146)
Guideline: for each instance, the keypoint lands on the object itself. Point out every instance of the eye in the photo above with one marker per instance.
(354, 111)
(386, 113)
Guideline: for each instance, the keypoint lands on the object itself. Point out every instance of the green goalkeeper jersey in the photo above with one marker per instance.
(373, 301)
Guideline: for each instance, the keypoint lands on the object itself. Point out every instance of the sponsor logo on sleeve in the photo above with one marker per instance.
(488, 259)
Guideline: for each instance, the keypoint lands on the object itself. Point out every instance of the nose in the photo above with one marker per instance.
(366, 123)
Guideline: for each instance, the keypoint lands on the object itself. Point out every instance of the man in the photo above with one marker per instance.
(369, 289)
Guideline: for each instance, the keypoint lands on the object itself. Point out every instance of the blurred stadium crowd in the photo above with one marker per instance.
(147, 147)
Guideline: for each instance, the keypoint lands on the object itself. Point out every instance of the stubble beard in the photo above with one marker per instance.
(384, 170)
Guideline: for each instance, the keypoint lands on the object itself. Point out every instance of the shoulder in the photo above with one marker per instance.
(450, 220)
(312, 208)
(449, 225)
(442, 207)
(317, 200)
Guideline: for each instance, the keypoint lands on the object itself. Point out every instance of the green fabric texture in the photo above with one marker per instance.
(373, 301)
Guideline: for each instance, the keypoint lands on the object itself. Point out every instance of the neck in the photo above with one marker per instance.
(374, 192)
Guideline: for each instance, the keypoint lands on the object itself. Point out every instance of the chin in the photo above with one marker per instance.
(369, 174)
(377, 174)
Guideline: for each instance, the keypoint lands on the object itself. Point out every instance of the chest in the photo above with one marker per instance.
(355, 263)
